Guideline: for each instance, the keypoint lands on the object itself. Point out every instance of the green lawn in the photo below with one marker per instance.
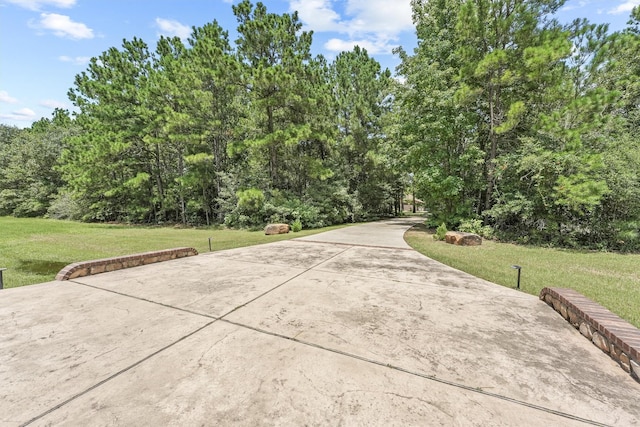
(34, 250)
(612, 280)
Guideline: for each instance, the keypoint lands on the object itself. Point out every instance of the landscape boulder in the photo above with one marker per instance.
(462, 239)
(276, 229)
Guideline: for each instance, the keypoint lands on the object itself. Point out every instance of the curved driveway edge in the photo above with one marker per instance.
(334, 329)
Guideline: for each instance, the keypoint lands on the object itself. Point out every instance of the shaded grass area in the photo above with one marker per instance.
(34, 250)
(610, 279)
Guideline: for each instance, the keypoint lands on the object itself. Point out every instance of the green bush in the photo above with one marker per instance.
(65, 206)
(440, 232)
(288, 210)
(249, 211)
(470, 226)
(475, 226)
(296, 226)
(250, 202)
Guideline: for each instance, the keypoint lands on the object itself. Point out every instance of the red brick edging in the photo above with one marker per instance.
(88, 268)
(616, 337)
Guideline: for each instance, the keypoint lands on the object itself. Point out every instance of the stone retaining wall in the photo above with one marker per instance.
(616, 337)
(88, 268)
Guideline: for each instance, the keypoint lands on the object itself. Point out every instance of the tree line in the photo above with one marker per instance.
(529, 125)
(501, 120)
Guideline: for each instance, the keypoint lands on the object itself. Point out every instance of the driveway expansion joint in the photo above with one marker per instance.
(283, 283)
(115, 375)
(477, 390)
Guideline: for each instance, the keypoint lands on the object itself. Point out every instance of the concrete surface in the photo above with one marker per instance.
(348, 327)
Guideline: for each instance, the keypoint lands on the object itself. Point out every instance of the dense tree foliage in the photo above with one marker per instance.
(29, 178)
(501, 120)
(523, 123)
(245, 133)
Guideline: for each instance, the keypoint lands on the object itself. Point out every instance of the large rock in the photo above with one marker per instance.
(276, 229)
(462, 239)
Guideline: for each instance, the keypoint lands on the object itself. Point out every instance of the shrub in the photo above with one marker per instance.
(470, 226)
(65, 206)
(296, 226)
(440, 232)
(249, 210)
(475, 226)
(250, 202)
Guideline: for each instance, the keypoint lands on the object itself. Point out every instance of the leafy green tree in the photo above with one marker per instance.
(272, 52)
(217, 105)
(108, 164)
(506, 50)
(442, 148)
(552, 184)
(286, 139)
(362, 94)
(504, 117)
(29, 178)
(616, 221)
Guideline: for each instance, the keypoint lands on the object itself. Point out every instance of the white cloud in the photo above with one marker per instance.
(317, 14)
(380, 16)
(574, 5)
(625, 7)
(63, 26)
(52, 103)
(38, 4)
(5, 97)
(77, 60)
(172, 28)
(372, 24)
(22, 115)
(372, 46)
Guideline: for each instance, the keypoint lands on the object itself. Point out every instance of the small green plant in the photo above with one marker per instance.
(296, 225)
(440, 232)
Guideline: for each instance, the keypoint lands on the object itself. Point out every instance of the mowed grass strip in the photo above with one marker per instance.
(610, 279)
(34, 250)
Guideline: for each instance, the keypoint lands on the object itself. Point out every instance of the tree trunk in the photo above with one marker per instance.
(217, 169)
(206, 205)
(159, 183)
(183, 207)
(273, 155)
(493, 138)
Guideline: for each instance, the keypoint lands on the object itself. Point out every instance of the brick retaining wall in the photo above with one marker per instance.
(88, 268)
(616, 337)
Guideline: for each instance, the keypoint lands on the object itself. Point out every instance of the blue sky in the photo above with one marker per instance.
(45, 43)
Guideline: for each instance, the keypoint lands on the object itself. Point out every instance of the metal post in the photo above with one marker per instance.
(517, 267)
(1, 282)
(210, 244)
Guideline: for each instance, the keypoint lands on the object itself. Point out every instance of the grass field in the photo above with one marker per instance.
(612, 280)
(34, 250)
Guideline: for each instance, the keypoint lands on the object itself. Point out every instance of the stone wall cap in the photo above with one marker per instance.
(618, 331)
(120, 262)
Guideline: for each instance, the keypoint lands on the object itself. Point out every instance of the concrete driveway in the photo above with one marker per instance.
(348, 327)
